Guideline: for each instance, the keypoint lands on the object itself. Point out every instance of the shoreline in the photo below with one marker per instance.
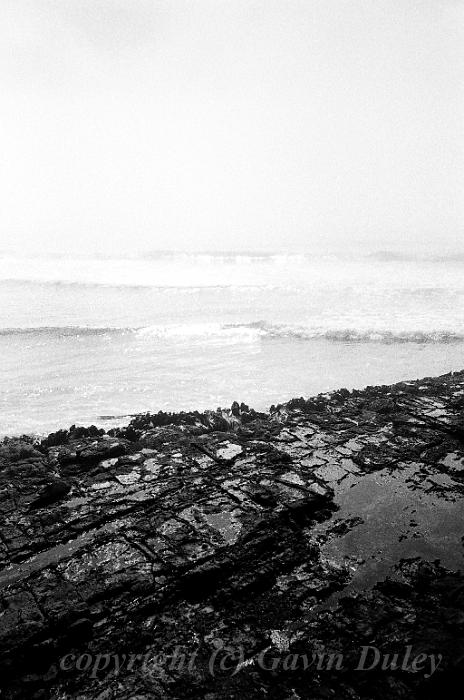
(325, 526)
(181, 406)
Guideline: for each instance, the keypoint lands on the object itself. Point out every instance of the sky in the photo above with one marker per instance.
(130, 125)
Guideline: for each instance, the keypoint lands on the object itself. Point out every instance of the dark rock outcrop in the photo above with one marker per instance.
(255, 545)
(55, 491)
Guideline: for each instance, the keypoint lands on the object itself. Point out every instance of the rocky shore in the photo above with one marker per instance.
(312, 552)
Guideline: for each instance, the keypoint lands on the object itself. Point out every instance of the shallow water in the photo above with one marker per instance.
(399, 521)
(92, 341)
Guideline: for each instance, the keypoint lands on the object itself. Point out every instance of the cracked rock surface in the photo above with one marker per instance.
(324, 526)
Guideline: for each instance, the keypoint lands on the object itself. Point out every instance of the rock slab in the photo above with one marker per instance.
(226, 554)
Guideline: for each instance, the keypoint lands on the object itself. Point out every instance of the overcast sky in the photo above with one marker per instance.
(211, 124)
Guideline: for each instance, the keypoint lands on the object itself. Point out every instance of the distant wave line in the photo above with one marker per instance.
(254, 331)
(64, 330)
(247, 257)
(131, 285)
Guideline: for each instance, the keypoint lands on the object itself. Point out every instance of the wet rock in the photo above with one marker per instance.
(15, 450)
(101, 450)
(53, 492)
(199, 529)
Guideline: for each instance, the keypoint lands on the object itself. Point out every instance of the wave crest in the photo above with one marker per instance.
(246, 332)
(62, 331)
(308, 332)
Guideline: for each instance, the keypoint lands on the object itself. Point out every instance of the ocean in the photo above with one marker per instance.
(96, 339)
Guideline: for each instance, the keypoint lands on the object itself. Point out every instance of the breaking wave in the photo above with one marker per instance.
(300, 332)
(62, 331)
(242, 332)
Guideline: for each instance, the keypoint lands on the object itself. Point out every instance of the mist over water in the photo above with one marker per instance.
(327, 132)
(91, 340)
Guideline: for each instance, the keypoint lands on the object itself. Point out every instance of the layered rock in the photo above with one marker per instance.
(237, 536)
